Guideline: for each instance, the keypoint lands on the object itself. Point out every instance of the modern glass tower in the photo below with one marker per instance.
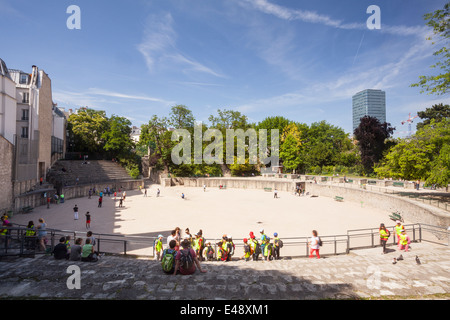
(369, 102)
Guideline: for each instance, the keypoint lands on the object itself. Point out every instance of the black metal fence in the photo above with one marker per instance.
(16, 243)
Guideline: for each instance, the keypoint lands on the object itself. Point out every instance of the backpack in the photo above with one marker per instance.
(230, 247)
(319, 242)
(278, 243)
(246, 248)
(186, 260)
(168, 261)
(258, 249)
(210, 252)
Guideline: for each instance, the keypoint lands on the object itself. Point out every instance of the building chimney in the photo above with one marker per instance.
(33, 75)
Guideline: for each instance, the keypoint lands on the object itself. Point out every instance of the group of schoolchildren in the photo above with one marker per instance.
(268, 248)
(403, 239)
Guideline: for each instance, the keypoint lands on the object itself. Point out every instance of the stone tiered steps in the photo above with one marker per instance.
(94, 171)
(361, 274)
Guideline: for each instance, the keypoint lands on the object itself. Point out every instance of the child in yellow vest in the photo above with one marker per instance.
(247, 251)
(404, 241)
(158, 248)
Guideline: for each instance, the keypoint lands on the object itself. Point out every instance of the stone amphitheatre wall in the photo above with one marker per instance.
(411, 210)
(36, 198)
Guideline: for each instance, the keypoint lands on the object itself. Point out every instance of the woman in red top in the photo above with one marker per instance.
(186, 251)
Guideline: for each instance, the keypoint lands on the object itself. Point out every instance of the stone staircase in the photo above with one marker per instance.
(362, 274)
(73, 172)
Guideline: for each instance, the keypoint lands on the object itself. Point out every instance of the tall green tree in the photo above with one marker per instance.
(438, 83)
(87, 127)
(224, 120)
(117, 137)
(181, 117)
(291, 142)
(156, 133)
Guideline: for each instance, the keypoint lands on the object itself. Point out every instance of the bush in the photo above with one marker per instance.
(133, 172)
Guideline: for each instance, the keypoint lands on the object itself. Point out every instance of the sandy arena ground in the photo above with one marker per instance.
(234, 212)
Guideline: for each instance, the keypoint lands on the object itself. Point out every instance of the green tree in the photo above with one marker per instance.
(229, 119)
(438, 84)
(224, 120)
(271, 123)
(117, 137)
(436, 112)
(324, 145)
(157, 133)
(425, 156)
(290, 153)
(181, 117)
(87, 127)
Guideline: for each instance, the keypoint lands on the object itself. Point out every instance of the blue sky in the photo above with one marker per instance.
(299, 59)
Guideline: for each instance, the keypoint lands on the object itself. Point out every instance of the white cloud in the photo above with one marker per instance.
(159, 46)
(312, 17)
(102, 92)
(193, 65)
(95, 98)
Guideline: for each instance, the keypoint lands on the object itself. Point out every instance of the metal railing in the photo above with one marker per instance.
(14, 243)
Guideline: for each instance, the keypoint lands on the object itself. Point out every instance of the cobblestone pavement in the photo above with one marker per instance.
(361, 274)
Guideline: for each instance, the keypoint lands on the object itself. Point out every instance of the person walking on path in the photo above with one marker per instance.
(384, 236)
(75, 212)
(314, 244)
(275, 193)
(100, 201)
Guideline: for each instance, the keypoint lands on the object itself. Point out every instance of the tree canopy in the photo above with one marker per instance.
(439, 83)
(425, 156)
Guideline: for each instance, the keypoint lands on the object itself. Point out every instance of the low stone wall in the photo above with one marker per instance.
(73, 192)
(36, 199)
(411, 210)
(238, 183)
